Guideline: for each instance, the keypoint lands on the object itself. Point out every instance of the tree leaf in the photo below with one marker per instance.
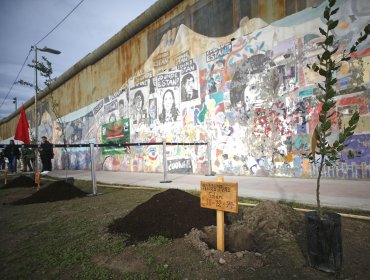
(329, 40)
(334, 50)
(330, 93)
(326, 55)
(322, 72)
(333, 12)
(326, 107)
(331, 3)
(327, 13)
(367, 29)
(322, 31)
(332, 24)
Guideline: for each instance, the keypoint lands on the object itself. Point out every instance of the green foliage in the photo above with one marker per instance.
(158, 240)
(44, 68)
(326, 67)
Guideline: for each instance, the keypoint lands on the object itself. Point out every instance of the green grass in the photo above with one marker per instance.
(46, 240)
(69, 239)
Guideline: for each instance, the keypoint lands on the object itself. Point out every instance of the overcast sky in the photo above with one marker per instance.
(25, 22)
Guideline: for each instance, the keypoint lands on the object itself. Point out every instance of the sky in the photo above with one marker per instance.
(23, 23)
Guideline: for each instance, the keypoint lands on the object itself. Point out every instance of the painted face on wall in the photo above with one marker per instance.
(252, 91)
(138, 102)
(167, 101)
(189, 85)
(121, 108)
(152, 109)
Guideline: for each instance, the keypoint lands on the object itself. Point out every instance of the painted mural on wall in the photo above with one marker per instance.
(252, 98)
(115, 132)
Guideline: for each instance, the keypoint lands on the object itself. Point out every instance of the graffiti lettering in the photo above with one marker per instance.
(179, 165)
(187, 66)
(143, 77)
(182, 57)
(168, 80)
(161, 59)
(219, 52)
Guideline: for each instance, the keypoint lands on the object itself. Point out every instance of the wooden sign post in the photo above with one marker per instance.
(223, 197)
(37, 180)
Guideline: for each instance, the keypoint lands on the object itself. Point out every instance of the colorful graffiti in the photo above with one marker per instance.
(253, 99)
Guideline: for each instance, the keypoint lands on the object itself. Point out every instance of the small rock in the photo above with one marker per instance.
(258, 254)
(239, 254)
(212, 251)
(262, 224)
(221, 261)
(250, 269)
(165, 265)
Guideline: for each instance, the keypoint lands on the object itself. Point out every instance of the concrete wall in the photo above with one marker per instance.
(253, 99)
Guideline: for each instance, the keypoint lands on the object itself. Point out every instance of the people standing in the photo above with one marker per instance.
(11, 152)
(2, 160)
(28, 158)
(46, 154)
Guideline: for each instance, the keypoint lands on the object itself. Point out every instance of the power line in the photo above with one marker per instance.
(16, 79)
(60, 22)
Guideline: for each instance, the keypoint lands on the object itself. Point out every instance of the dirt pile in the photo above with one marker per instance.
(256, 229)
(56, 191)
(254, 238)
(171, 213)
(20, 182)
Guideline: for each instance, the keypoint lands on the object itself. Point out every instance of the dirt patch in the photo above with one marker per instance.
(254, 234)
(249, 235)
(20, 182)
(56, 191)
(171, 214)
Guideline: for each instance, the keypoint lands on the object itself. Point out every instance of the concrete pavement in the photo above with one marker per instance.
(334, 193)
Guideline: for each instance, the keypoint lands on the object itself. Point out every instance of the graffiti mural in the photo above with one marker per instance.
(252, 99)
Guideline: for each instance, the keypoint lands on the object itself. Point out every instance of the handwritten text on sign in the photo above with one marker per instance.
(221, 196)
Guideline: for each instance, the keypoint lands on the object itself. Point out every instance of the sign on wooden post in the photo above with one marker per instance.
(221, 196)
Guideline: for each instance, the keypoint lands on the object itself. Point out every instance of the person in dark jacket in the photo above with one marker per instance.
(2, 160)
(12, 152)
(28, 158)
(46, 154)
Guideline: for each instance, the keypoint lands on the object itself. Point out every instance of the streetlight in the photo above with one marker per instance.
(44, 49)
(15, 102)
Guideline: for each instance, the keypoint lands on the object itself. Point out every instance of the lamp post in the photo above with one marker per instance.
(15, 102)
(45, 49)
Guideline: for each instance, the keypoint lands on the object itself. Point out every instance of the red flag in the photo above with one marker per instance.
(22, 132)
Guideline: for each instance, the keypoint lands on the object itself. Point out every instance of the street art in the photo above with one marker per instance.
(252, 99)
(116, 132)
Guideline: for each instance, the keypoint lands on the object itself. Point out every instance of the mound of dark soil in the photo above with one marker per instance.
(171, 213)
(20, 182)
(56, 191)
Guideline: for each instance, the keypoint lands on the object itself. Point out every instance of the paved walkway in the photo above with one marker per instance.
(334, 193)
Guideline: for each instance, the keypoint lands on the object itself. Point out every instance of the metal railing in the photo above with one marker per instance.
(92, 147)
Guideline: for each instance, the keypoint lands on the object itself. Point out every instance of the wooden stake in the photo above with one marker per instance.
(37, 180)
(5, 173)
(220, 222)
(220, 231)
